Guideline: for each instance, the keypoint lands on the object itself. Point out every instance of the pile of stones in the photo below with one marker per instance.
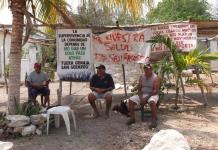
(21, 125)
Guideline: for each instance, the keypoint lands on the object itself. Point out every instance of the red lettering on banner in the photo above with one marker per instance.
(132, 58)
(184, 46)
(139, 37)
(117, 47)
(186, 30)
(115, 58)
(158, 48)
(182, 34)
(158, 32)
(118, 37)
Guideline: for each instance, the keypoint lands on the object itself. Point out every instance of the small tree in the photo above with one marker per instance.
(196, 58)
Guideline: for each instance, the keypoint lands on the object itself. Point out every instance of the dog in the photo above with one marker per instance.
(122, 108)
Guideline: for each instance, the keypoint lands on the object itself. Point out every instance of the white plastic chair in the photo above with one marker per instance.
(64, 111)
(99, 102)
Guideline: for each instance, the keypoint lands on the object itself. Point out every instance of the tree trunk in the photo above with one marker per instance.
(5, 71)
(17, 7)
(201, 87)
(177, 90)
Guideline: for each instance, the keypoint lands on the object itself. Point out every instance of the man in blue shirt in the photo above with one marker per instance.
(101, 85)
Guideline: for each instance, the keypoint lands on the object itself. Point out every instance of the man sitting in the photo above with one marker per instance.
(148, 92)
(37, 83)
(101, 85)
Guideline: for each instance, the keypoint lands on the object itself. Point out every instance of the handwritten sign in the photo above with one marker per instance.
(73, 51)
(123, 47)
(183, 34)
(119, 46)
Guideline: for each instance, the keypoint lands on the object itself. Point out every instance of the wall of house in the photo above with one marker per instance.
(31, 53)
(7, 49)
(214, 48)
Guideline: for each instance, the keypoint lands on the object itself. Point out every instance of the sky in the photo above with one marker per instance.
(6, 16)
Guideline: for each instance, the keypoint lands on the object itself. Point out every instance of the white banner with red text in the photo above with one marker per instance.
(123, 47)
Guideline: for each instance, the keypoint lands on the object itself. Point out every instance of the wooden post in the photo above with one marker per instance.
(124, 79)
(70, 87)
(123, 68)
(201, 87)
(183, 92)
(212, 82)
(59, 92)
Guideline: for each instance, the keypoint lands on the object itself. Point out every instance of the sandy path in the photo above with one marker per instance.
(198, 124)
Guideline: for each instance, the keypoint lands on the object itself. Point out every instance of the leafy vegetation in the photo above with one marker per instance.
(90, 14)
(179, 10)
(132, 7)
(197, 59)
(26, 109)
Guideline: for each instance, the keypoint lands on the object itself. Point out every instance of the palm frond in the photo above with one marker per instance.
(177, 56)
(209, 56)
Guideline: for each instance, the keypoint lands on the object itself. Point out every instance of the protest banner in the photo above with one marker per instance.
(73, 54)
(184, 35)
(123, 47)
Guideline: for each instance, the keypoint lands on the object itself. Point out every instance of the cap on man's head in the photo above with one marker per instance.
(37, 65)
(147, 65)
(101, 67)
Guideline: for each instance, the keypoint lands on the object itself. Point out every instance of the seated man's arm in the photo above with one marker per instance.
(111, 85)
(92, 85)
(47, 80)
(156, 86)
(139, 88)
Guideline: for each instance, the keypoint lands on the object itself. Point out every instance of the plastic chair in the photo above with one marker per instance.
(99, 102)
(61, 110)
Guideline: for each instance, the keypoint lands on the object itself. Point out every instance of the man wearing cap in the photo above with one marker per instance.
(37, 83)
(148, 92)
(101, 85)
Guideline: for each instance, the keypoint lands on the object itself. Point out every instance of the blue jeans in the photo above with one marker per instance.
(34, 92)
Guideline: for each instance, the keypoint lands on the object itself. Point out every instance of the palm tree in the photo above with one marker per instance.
(133, 7)
(19, 8)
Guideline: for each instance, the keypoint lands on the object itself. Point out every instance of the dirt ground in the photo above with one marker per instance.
(197, 123)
